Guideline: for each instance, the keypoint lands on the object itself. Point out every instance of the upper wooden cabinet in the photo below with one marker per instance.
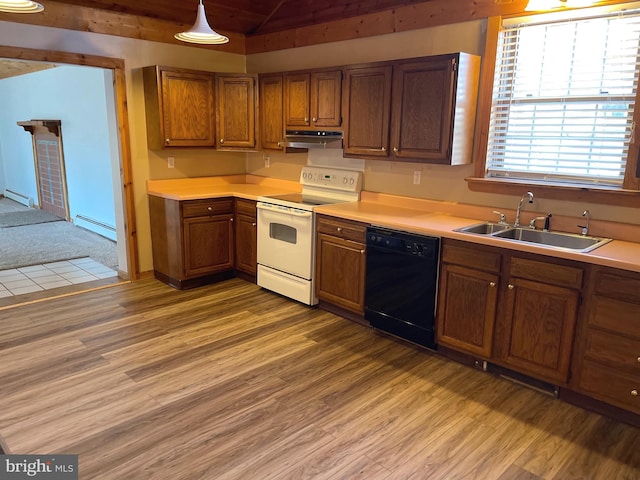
(367, 107)
(179, 106)
(429, 117)
(312, 100)
(236, 111)
(271, 111)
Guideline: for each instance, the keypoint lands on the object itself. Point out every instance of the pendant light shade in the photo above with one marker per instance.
(536, 5)
(201, 32)
(20, 6)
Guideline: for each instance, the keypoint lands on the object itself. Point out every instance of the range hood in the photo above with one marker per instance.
(313, 139)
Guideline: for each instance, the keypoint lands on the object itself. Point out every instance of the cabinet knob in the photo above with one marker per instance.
(362, 252)
(383, 149)
(231, 220)
(510, 287)
(339, 229)
(492, 284)
(222, 140)
(314, 119)
(210, 209)
(306, 119)
(167, 140)
(634, 393)
(254, 224)
(395, 149)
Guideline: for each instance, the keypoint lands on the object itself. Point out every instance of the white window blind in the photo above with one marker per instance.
(563, 99)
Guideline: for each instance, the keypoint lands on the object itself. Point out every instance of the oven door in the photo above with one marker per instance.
(285, 239)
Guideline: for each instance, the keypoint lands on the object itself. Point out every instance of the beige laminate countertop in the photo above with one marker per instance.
(376, 210)
(241, 186)
(617, 254)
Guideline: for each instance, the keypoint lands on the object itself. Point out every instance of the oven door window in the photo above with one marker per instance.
(284, 233)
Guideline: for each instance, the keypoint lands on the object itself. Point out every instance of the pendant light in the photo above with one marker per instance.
(20, 6)
(201, 32)
(535, 5)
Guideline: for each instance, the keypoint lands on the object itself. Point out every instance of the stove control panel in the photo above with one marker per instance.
(335, 179)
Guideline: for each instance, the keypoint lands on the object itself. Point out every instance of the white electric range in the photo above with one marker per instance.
(286, 230)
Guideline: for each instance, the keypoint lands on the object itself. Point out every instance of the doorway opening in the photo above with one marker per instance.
(124, 229)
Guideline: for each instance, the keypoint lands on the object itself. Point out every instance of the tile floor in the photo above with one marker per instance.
(35, 278)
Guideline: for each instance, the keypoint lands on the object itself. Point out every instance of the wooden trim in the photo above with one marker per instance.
(483, 114)
(621, 198)
(120, 91)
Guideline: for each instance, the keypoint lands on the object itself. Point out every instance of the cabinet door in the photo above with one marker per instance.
(271, 112)
(422, 110)
(326, 99)
(539, 323)
(467, 309)
(236, 111)
(187, 111)
(340, 268)
(366, 108)
(296, 100)
(246, 237)
(208, 244)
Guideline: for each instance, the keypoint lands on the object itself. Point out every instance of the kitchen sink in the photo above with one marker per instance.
(568, 241)
(486, 228)
(555, 240)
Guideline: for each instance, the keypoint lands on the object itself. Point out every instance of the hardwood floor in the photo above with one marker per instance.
(229, 381)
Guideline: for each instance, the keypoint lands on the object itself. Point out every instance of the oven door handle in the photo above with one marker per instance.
(288, 211)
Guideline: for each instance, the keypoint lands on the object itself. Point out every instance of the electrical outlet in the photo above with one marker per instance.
(267, 161)
(416, 177)
(171, 162)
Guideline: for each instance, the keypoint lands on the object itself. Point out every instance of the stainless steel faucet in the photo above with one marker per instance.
(528, 195)
(585, 228)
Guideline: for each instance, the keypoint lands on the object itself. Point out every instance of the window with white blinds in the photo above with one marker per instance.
(563, 99)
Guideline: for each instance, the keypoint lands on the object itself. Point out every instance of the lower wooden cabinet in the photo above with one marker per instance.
(535, 332)
(340, 262)
(246, 236)
(468, 295)
(607, 359)
(511, 309)
(191, 239)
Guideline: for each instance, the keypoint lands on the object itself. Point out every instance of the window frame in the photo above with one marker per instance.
(628, 195)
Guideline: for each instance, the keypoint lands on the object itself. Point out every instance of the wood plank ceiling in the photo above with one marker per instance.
(247, 16)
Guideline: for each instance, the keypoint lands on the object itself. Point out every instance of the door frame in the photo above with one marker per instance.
(122, 119)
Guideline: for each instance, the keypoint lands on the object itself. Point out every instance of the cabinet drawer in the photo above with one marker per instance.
(553, 274)
(618, 286)
(616, 316)
(468, 257)
(610, 385)
(613, 350)
(345, 229)
(207, 207)
(245, 207)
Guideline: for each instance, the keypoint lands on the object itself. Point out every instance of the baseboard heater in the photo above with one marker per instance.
(96, 223)
(18, 197)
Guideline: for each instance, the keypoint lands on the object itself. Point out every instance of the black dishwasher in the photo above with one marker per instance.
(400, 286)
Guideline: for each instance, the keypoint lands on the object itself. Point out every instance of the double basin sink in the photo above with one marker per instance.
(556, 240)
